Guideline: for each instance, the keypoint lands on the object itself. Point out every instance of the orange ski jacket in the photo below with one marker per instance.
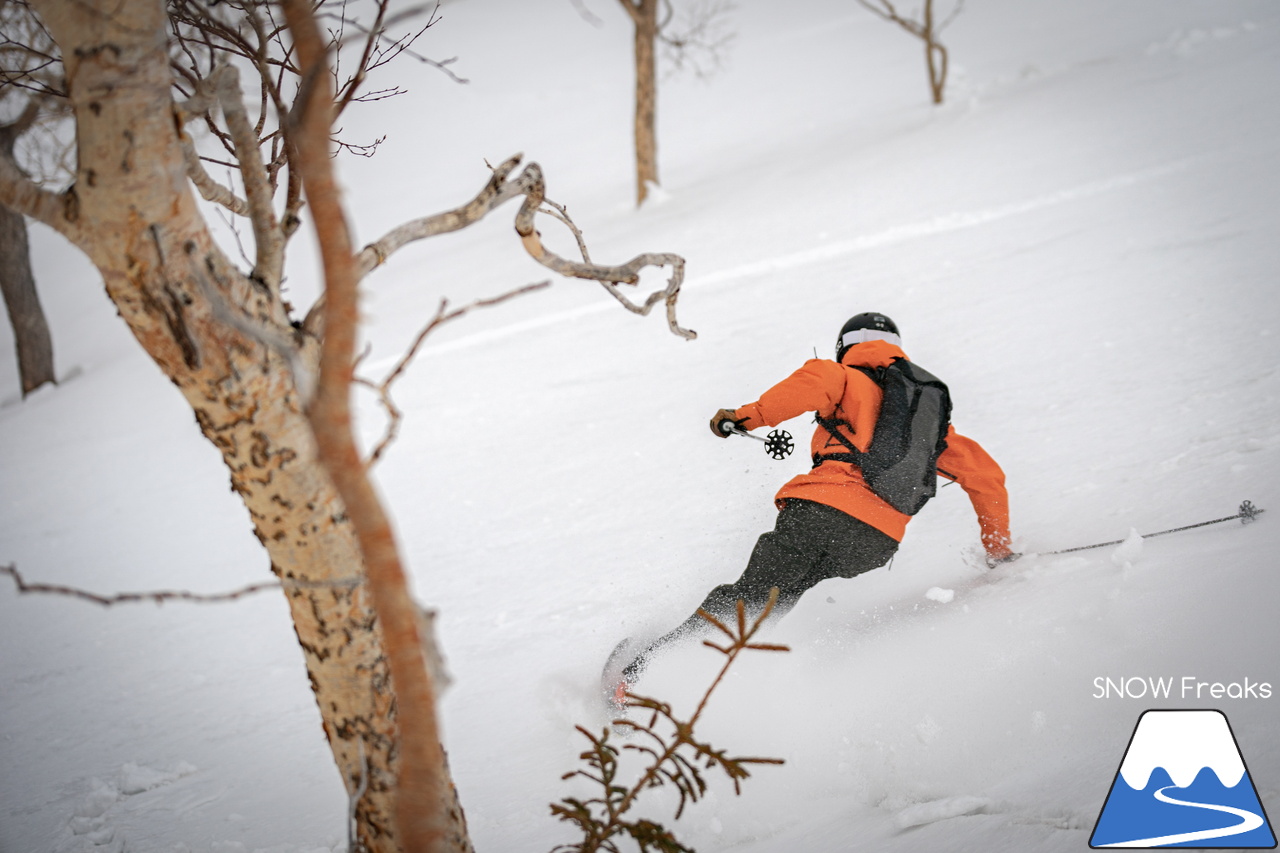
(834, 390)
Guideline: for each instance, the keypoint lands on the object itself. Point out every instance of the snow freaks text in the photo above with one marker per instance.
(1172, 687)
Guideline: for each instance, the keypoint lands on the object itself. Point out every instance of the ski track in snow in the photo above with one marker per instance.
(92, 828)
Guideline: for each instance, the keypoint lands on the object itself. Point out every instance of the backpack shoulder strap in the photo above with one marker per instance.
(832, 425)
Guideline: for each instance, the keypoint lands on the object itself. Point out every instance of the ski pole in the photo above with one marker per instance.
(1247, 513)
(778, 444)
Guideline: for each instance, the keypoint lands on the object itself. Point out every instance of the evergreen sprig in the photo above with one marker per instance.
(674, 755)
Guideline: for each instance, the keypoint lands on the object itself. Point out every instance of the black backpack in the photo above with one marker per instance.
(901, 465)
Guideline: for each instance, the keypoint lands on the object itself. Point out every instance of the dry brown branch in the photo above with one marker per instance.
(608, 276)
(162, 596)
(442, 316)
(495, 192)
(670, 294)
(561, 214)
(428, 818)
(676, 759)
(529, 183)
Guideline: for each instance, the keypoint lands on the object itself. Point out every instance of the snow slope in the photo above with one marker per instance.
(1081, 241)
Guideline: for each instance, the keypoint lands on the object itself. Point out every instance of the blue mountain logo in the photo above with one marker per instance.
(1183, 783)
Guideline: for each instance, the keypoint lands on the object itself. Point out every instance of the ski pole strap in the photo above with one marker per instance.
(1247, 513)
(819, 458)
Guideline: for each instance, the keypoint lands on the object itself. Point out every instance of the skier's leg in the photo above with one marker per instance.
(853, 547)
(782, 558)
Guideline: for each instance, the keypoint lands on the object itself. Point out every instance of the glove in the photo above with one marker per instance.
(718, 420)
(992, 562)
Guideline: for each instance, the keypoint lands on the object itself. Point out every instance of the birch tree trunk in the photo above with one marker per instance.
(225, 339)
(132, 212)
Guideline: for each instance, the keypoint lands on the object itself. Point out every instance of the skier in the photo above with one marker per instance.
(830, 523)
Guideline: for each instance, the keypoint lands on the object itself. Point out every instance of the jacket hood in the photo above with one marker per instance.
(872, 354)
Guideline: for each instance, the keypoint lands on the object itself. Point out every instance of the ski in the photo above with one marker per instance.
(613, 687)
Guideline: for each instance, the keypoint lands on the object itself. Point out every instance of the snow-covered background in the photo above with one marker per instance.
(1082, 241)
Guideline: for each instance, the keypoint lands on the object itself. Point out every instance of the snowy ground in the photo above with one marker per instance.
(1081, 241)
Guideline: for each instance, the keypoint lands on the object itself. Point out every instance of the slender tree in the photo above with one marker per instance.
(644, 19)
(928, 28)
(697, 42)
(268, 388)
(30, 328)
(23, 92)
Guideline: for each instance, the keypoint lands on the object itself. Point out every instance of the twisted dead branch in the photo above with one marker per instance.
(530, 184)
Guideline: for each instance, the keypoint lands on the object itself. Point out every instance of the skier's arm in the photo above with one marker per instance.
(816, 387)
(968, 464)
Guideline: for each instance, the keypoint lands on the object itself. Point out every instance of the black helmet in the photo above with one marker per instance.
(868, 326)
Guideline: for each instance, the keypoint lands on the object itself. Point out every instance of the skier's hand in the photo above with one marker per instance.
(993, 561)
(719, 419)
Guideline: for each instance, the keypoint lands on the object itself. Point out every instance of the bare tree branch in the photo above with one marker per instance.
(701, 40)
(529, 183)
(161, 596)
(210, 190)
(609, 276)
(29, 58)
(496, 192)
(442, 316)
(57, 210)
(267, 236)
(925, 29)
(946, 22)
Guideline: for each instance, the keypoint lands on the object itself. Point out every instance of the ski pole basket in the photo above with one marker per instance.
(777, 444)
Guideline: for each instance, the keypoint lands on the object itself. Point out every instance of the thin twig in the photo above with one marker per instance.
(161, 596)
(441, 317)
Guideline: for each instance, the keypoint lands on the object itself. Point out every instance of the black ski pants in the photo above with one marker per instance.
(810, 542)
